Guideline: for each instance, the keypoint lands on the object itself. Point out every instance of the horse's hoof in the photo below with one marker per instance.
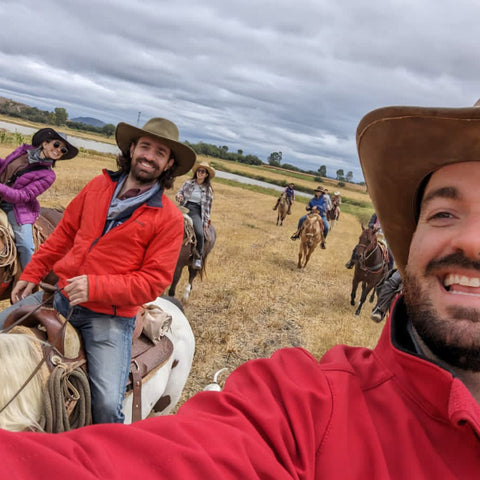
(352, 303)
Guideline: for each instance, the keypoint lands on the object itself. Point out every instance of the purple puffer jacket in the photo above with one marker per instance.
(24, 192)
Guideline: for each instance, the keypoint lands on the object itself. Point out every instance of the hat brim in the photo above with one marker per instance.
(125, 134)
(398, 148)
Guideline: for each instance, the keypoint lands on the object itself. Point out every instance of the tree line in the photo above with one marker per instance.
(58, 116)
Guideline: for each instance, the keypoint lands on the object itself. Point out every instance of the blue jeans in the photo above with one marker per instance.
(195, 213)
(23, 235)
(326, 227)
(108, 347)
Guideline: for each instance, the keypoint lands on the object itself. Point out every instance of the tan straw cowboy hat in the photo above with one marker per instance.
(163, 130)
(398, 148)
(207, 167)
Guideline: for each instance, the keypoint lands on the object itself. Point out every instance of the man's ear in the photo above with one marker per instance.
(132, 149)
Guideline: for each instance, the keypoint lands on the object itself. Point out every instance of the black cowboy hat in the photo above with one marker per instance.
(49, 134)
(398, 148)
(163, 130)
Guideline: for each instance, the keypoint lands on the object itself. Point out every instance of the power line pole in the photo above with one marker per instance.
(138, 118)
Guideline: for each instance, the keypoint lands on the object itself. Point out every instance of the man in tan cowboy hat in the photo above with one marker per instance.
(115, 249)
(409, 408)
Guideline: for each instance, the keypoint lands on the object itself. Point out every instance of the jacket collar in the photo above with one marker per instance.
(429, 385)
(154, 201)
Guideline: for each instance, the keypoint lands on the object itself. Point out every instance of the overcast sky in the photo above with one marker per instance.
(294, 76)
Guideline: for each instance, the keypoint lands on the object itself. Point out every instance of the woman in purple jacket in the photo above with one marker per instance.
(24, 175)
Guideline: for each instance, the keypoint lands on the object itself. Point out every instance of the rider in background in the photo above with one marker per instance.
(24, 175)
(373, 222)
(289, 193)
(196, 194)
(317, 204)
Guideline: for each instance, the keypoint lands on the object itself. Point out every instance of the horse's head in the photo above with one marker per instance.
(367, 242)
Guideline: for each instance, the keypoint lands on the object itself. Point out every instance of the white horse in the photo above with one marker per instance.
(19, 354)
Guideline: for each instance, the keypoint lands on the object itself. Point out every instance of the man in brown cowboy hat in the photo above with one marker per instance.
(407, 409)
(115, 249)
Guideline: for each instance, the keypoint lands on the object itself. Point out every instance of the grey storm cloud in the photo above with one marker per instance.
(256, 75)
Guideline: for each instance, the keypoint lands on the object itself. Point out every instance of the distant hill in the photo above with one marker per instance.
(89, 121)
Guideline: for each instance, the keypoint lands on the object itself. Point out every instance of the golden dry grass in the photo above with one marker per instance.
(254, 299)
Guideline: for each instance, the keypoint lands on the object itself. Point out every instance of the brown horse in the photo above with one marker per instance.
(10, 269)
(334, 213)
(187, 257)
(282, 209)
(371, 265)
(311, 235)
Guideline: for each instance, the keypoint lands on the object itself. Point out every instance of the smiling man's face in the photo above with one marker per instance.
(150, 157)
(442, 281)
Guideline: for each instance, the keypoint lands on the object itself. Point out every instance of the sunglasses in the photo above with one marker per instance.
(57, 144)
(201, 170)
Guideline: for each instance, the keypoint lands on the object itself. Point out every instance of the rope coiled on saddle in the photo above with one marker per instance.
(67, 399)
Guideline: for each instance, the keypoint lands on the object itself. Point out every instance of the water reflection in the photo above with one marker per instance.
(77, 141)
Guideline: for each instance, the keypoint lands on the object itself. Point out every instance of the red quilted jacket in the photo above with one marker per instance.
(131, 264)
(358, 414)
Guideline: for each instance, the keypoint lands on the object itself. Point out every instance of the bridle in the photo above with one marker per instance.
(367, 252)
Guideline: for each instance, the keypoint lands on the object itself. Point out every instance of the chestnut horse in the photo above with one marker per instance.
(334, 213)
(10, 269)
(187, 257)
(311, 235)
(282, 209)
(371, 265)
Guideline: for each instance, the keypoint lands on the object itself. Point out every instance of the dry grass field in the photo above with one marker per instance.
(254, 300)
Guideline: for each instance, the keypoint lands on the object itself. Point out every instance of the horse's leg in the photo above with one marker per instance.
(307, 256)
(354, 290)
(176, 278)
(300, 256)
(192, 273)
(372, 296)
(365, 292)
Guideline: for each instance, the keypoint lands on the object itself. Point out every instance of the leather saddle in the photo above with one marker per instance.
(47, 324)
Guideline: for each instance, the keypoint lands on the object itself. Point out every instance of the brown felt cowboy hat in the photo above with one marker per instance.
(206, 166)
(319, 189)
(398, 148)
(49, 134)
(163, 130)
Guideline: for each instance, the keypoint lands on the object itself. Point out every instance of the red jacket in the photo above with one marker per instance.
(130, 265)
(358, 414)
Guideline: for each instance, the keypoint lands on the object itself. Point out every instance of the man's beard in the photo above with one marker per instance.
(454, 342)
(143, 177)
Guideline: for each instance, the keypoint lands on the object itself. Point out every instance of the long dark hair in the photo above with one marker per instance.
(206, 182)
(166, 178)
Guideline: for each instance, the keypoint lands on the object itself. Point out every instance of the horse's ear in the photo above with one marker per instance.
(363, 228)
